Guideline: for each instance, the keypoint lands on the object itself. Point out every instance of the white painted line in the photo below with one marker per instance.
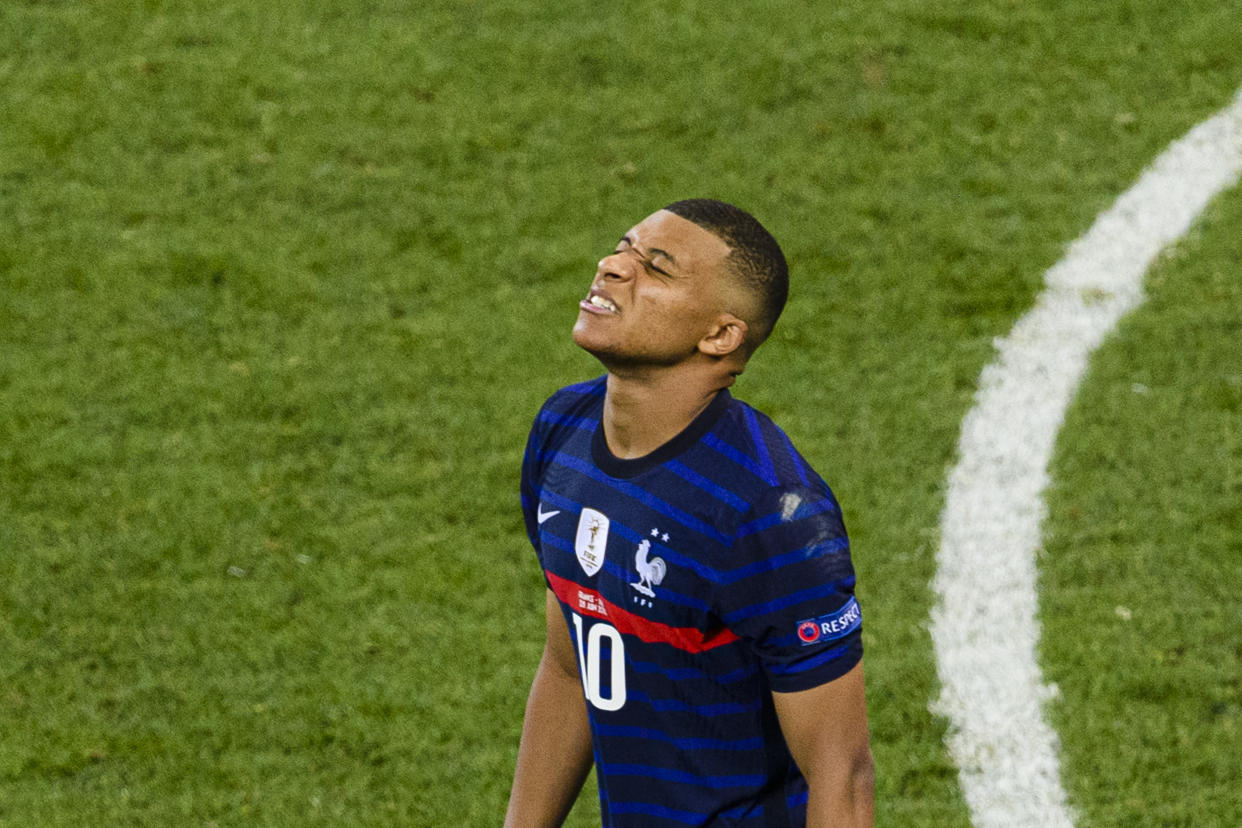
(984, 625)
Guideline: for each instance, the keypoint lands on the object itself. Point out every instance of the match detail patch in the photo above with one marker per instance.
(832, 626)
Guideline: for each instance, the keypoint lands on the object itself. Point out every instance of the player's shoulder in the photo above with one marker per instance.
(754, 442)
(572, 407)
(589, 393)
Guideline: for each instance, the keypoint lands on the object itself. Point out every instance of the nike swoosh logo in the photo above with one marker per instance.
(541, 515)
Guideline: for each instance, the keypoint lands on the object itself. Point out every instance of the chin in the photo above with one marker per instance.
(596, 346)
(581, 338)
(599, 350)
(589, 337)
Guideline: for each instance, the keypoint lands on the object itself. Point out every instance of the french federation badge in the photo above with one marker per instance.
(592, 539)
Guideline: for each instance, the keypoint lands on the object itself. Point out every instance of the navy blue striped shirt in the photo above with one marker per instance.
(694, 581)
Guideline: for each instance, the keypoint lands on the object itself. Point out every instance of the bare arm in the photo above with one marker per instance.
(826, 729)
(554, 756)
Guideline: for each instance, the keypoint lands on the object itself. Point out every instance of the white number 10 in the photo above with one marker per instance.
(589, 664)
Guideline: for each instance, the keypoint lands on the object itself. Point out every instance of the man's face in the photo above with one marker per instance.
(656, 296)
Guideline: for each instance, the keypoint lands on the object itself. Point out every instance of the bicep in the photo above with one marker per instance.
(826, 726)
(558, 647)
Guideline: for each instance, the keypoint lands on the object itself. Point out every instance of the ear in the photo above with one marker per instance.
(726, 336)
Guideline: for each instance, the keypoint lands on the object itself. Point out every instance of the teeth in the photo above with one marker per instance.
(601, 302)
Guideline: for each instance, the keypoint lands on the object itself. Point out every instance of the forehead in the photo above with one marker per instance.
(689, 245)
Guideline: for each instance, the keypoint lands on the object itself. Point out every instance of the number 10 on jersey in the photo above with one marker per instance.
(590, 664)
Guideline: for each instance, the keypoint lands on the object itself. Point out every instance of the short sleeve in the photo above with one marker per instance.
(532, 474)
(790, 590)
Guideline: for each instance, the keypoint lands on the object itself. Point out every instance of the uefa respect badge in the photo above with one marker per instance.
(831, 626)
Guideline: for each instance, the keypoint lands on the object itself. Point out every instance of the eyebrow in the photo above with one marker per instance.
(655, 251)
(652, 251)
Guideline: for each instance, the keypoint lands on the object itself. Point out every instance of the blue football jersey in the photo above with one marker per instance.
(694, 582)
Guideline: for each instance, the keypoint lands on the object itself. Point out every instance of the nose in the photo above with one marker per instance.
(615, 267)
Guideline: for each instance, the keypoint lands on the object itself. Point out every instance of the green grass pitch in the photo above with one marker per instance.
(282, 284)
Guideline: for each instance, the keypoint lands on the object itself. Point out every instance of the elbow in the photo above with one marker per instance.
(846, 794)
(862, 786)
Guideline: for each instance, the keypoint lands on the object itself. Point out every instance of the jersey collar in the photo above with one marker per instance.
(614, 466)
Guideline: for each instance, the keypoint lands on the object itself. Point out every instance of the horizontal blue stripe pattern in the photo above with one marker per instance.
(808, 664)
(670, 556)
(621, 572)
(559, 543)
(808, 594)
(693, 673)
(674, 558)
(553, 499)
(719, 492)
(689, 746)
(687, 817)
(570, 420)
(730, 451)
(671, 775)
(786, 559)
(633, 732)
(805, 510)
(617, 570)
(724, 709)
(661, 593)
(590, 388)
(640, 494)
(652, 809)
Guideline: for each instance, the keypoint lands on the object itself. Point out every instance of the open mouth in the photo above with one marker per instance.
(598, 303)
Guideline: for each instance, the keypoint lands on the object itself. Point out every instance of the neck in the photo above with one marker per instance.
(644, 409)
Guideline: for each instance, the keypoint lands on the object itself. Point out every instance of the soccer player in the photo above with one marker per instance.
(703, 640)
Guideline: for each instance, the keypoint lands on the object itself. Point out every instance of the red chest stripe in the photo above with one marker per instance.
(589, 602)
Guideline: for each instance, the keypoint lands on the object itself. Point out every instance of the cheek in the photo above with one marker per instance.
(692, 311)
(682, 323)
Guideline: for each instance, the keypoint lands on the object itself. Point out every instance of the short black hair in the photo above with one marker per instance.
(755, 256)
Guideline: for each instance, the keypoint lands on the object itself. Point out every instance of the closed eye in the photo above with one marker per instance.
(647, 259)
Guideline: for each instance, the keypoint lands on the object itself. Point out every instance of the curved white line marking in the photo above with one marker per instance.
(984, 624)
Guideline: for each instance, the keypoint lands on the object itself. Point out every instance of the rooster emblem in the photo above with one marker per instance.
(650, 570)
